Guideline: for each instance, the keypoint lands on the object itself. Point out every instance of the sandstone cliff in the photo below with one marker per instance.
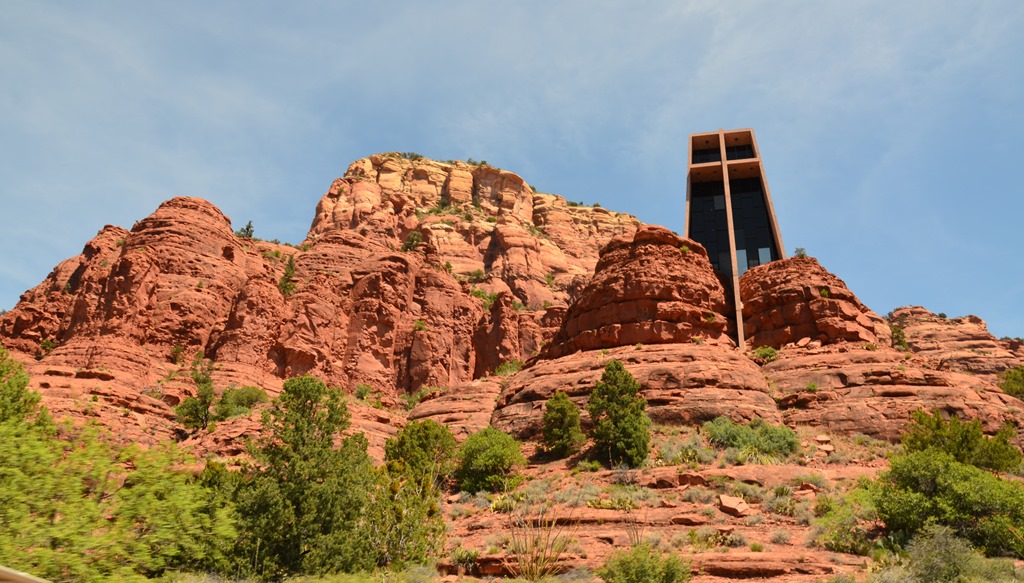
(421, 277)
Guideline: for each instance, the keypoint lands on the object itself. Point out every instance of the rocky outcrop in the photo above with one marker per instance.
(651, 287)
(792, 299)
(114, 327)
(954, 344)
(684, 384)
(849, 390)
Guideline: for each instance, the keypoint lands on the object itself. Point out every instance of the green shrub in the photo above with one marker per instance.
(930, 486)
(237, 402)
(419, 326)
(588, 466)
(800, 252)
(756, 442)
(508, 368)
(965, 442)
(489, 460)
(363, 391)
(412, 241)
(562, 433)
(621, 428)
(691, 450)
(286, 283)
(899, 338)
(422, 448)
(643, 564)
(194, 412)
(476, 276)
(245, 232)
(845, 527)
(1012, 382)
(487, 298)
(765, 354)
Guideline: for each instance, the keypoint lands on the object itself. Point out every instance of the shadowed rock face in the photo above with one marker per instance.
(791, 299)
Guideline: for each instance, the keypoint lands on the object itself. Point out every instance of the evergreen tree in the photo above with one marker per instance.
(489, 460)
(562, 433)
(194, 412)
(300, 506)
(621, 428)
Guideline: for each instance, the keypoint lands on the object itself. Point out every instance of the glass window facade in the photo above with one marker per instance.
(752, 226)
(739, 152)
(709, 225)
(707, 155)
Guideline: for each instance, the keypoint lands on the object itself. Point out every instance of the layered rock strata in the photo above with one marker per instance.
(792, 299)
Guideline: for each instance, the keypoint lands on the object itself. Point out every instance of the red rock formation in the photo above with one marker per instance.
(954, 344)
(788, 300)
(653, 287)
(873, 392)
(105, 323)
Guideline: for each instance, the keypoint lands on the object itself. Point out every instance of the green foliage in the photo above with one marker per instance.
(508, 368)
(621, 428)
(488, 298)
(84, 508)
(965, 442)
(691, 450)
(477, 276)
(800, 252)
(299, 506)
(1012, 382)
(245, 232)
(286, 283)
(899, 338)
(823, 292)
(410, 400)
(844, 527)
(765, 354)
(643, 564)
(362, 391)
(756, 442)
(549, 279)
(930, 486)
(489, 460)
(17, 403)
(419, 326)
(936, 554)
(423, 449)
(562, 433)
(412, 241)
(194, 412)
(177, 355)
(238, 402)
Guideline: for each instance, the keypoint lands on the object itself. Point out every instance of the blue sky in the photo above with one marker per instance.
(891, 133)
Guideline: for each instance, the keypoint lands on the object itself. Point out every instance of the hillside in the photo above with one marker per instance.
(455, 292)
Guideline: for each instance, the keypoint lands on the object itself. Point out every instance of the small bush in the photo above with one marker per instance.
(899, 339)
(845, 528)
(477, 276)
(237, 402)
(562, 433)
(363, 391)
(780, 537)
(691, 450)
(1012, 382)
(756, 442)
(412, 241)
(800, 252)
(286, 283)
(508, 368)
(419, 326)
(245, 232)
(489, 460)
(422, 448)
(765, 354)
(588, 466)
(643, 564)
(965, 442)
